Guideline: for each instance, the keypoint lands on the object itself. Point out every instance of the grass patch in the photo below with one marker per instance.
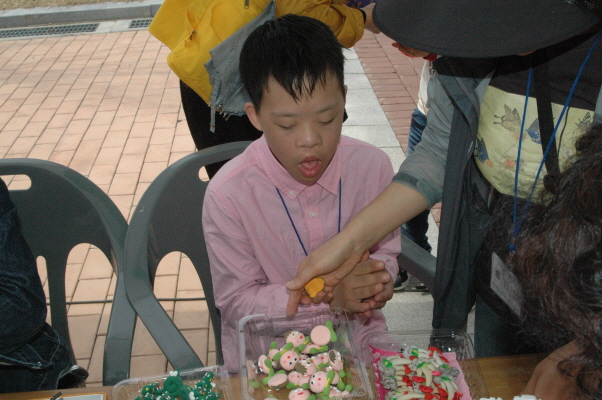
(13, 4)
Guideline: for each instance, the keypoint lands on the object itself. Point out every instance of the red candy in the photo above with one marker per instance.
(425, 389)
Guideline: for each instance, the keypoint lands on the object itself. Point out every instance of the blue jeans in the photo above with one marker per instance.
(37, 365)
(416, 228)
(32, 355)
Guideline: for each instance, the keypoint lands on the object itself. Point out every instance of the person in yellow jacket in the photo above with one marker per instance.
(192, 28)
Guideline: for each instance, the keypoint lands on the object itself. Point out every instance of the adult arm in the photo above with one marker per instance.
(338, 256)
(417, 186)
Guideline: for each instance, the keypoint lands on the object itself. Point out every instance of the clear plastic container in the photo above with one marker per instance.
(129, 389)
(448, 341)
(258, 331)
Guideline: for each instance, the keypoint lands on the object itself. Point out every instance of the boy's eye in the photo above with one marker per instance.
(286, 128)
(326, 122)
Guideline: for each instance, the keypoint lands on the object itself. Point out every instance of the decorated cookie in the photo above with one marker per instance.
(295, 337)
(306, 367)
(293, 380)
(278, 380)
(289, 359)
(336, 360)
(320, 382)
(300, 394)
(262, 366)
(321, 360)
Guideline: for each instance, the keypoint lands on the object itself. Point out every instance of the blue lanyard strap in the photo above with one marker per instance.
(517, 225)
(293, 223)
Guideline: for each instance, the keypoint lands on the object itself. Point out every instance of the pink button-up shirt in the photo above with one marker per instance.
(253, 248)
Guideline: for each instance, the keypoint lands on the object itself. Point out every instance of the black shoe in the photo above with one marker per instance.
(402, 280)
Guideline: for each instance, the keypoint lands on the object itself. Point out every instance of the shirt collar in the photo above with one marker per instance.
(288, 185)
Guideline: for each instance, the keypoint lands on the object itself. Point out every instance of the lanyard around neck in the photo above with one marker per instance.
(293, 223)
(517, 224)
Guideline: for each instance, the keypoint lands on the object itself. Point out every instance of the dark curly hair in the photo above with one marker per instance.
(559, 264)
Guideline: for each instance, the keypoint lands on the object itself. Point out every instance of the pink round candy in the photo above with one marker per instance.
(272, 353)
(306, 367)
(336, 360)
(309, 347)
(321, 358)
(288, 360)
(261, 364)
(320, 335)
(299, 394)
(304, 379)
(278, 381)
(293, 377)
(335, 392)
(318, 382)
(336, 378)
(296, 338)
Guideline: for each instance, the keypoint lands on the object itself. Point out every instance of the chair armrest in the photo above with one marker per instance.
(418, 262)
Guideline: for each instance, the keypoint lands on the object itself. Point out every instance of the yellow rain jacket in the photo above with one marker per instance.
(191, 28)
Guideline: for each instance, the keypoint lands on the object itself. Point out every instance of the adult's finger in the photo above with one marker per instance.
(294, 297)
(313, 266)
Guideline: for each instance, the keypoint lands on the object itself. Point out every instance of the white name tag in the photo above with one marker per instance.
(505, 284)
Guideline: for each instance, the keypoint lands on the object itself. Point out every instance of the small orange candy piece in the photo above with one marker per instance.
(314, 286)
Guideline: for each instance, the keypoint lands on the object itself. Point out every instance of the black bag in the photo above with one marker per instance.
(497, 241)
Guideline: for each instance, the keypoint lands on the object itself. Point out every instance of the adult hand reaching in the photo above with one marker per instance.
(336, 258)
(332, 262)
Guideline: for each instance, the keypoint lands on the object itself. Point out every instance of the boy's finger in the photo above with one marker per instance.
(369, 267)
(366, 292)
(357, 307)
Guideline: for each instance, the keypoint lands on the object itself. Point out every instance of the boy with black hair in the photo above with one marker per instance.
(296, 186)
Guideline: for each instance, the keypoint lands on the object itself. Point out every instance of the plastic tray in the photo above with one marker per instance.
(129, 389)
(258, 331)
(448, 341)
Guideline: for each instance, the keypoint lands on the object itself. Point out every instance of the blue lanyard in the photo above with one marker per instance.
(293, 224)
(515, 224)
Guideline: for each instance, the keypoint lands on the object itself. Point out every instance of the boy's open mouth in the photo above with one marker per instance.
(310, 167)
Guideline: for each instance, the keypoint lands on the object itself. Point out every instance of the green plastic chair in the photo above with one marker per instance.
(60, 210)
(168, 218)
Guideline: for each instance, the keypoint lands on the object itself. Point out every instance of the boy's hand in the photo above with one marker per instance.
(381, 298)
(356, 291)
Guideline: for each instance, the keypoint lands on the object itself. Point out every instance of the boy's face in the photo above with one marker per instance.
(302, 135)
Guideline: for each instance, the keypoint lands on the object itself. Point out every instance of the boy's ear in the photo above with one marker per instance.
(252, 114)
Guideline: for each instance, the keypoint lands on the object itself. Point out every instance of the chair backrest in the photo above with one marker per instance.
(60, 210)
(418, 262)
(168, 218)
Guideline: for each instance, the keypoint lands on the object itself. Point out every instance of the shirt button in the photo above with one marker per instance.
(291, 193)
(312, 214)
